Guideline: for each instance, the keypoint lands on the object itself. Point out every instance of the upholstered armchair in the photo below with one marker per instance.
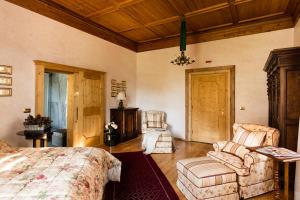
(254, 171)
(153, 120)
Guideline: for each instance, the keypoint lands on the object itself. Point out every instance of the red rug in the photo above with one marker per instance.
(141, 179)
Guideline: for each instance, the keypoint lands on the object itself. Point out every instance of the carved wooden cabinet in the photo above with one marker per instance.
(283, 80)
(127, 121)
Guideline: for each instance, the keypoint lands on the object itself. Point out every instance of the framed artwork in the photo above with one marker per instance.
(117, 87)
(114, 91)
(5, 92)
(123, 85)
(4, 80)
(4, 69)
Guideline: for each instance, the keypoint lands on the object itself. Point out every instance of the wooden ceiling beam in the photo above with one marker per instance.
(59, 13)
(233, 11)
(207, 9)
(249, 28)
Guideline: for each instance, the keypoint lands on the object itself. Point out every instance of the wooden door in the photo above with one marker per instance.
(209, 106)
(89, 112)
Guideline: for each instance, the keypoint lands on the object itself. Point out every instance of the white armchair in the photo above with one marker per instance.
(153, 121)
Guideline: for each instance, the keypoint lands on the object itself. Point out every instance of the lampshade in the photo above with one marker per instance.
(121, 96)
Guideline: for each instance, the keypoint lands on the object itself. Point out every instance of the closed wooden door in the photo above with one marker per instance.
(209, 107)
(89, 112)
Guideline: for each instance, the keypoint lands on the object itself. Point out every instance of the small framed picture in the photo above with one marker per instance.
(4, 69)
(4, 80)
(5, 92)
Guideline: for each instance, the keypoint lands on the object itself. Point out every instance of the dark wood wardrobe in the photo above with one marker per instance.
(283, 80)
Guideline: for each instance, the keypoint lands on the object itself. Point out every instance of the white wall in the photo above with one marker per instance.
(161, 85)
(26, 36)
(297, 34)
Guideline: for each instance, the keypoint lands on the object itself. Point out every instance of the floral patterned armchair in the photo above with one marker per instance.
(255, 171)
(153, 120)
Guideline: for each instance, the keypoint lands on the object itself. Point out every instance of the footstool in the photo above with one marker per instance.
(205, 178)
(164, 143)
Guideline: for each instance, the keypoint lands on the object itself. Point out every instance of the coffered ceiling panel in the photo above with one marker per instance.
(116, 21)
(208, 20)
(140, 35)
(261, 8)
(142, 25)
(148, 11)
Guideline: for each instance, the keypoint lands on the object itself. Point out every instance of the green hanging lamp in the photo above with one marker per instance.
(182, 59)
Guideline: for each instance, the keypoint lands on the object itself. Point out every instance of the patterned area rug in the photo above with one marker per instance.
(141, 179)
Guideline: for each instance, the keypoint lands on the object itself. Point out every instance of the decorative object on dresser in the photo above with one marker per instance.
(283, 72)
(127, 120)
(111, 137)
(121, 97)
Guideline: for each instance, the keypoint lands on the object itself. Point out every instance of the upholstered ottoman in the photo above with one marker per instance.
(205, 178)
(164, 143)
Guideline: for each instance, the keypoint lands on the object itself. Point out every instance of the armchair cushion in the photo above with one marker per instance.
(248, 138)
(154, 120)
(236, 149)
(218, 146)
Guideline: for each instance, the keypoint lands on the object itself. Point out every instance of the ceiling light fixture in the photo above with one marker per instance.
(182, 59)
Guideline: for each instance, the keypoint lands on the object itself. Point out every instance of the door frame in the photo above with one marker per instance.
(44, 66)
(230, 69)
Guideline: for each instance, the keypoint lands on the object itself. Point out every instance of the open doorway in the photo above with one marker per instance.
(55, 106)
(74, 99)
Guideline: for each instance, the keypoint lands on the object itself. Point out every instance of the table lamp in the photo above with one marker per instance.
(121, 97)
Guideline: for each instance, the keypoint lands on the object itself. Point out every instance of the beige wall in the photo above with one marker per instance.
(161, 85)
(297, 34)
(26, 36)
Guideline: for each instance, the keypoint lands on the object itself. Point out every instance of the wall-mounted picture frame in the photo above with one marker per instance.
(4, 80)
(5, 92)
(114, 91)
(5, 69)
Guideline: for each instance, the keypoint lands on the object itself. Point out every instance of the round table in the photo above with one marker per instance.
(34, 136)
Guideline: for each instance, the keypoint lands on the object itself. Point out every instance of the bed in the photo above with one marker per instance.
(56, 173)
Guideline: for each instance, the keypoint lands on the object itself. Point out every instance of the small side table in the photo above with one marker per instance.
(34, 136)
(276, 161)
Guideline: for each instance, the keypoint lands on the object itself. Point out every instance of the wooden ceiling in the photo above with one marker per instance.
(142, 25)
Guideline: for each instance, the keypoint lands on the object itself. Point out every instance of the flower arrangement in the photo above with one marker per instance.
(37, 123)
(111, 126)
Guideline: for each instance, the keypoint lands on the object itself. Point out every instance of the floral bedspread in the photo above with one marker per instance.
(57, 173)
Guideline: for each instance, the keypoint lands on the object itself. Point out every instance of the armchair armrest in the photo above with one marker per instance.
(253, 158)
(218, 146)
(164, 126)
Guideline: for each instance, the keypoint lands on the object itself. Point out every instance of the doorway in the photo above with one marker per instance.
(74, 99)
(210, 103)
(55, 106)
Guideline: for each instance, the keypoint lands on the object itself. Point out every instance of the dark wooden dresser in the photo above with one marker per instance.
(283, 80)
(127, 121)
